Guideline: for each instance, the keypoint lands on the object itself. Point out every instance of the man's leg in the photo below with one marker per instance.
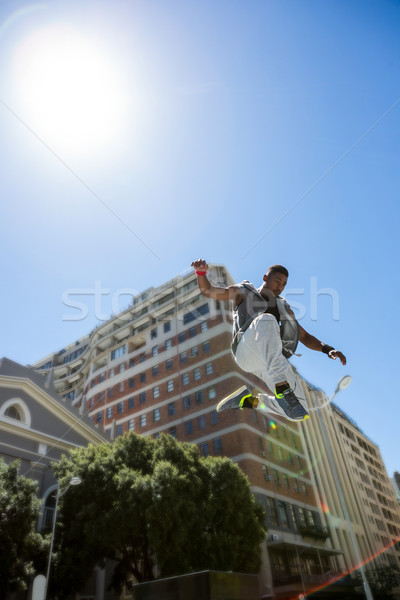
(260, 352)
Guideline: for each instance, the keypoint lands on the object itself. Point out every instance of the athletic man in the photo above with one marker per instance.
(265, 335)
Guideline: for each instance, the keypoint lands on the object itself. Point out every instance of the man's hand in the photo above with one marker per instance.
(199, 265)
(334, 354)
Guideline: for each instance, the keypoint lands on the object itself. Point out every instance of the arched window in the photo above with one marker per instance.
(48, 510)
(16, 410)
(13, 412)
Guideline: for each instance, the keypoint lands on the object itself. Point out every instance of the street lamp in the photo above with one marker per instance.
(343, 384)
(72, 481)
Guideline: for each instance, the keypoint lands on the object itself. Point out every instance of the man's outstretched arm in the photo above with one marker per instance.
(212, 291)
(315, 344)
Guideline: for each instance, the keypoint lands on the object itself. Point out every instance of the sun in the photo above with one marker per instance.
(69, 91)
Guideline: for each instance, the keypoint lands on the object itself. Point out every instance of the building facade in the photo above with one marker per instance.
(161, 366)
(37, 427)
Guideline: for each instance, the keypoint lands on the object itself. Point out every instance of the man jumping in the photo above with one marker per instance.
(265, 335)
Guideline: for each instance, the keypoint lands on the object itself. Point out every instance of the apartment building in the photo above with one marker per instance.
(371, 531)
(161, 366)
(395, 481)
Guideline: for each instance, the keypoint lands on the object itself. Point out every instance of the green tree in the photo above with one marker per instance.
(382, 581)
(22, 549)
(155, 507)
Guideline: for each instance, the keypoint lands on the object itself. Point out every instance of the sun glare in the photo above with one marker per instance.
(69, 91)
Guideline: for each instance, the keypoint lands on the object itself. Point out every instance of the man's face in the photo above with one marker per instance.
(275, 282)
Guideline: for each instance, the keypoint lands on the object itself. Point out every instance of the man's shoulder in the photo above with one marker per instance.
(246, 285)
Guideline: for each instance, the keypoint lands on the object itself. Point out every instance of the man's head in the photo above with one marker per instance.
(275, 279)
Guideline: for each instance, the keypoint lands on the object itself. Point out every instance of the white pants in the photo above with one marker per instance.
(259, 351)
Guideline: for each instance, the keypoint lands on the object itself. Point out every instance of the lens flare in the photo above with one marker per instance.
(272, 424)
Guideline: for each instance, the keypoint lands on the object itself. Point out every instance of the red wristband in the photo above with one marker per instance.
(201, 273)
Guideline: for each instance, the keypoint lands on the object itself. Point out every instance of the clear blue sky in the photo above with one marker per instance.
(139, 135)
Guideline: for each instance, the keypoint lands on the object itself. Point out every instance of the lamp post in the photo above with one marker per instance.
(72, 481)
(343, 384)
(304, 595)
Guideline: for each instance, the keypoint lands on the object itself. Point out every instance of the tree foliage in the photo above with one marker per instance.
(382, 580)
(158, 509)
(21, 547)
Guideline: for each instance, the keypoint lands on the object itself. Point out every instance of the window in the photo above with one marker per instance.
(203, 326)
(109, 412)
(120, 407)
(156, 414)
(282, 514)
(192, 332)
(206, 347)
(199, 397)
(142, 357)
(196, 374)
(98, 416)
(154, 351)
(155, 371)
(214, 417)
(170, 385)
(194, 352)
(167, 326)
(122, 367)
(172, 432)
(118, 352)
(218, 445)
(171, 409)
(156, 391)
(169, 364)
(272, 513)
(181, 337)
(185, 378)
(276, 476)
(131, 402)
(102, 377)
(302, 516)
(132, 382)
(293, 517)
(142, 397)
(189, 427)
(168, 344)
(142, 377)
(121, 386)
(186, 402)
(153, 333)
(143, 420)
(131, 425)
(119, 429)
(201, 422)
(191, 316)
(204, 448)
(209, 369)
(183, 357)
(212, 394)
(110, 392)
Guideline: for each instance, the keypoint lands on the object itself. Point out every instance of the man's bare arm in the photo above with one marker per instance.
(212, 291)
(315, 344)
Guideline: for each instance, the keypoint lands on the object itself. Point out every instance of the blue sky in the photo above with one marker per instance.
(245, 132)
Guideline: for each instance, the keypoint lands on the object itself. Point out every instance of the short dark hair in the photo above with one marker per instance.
(278, 269)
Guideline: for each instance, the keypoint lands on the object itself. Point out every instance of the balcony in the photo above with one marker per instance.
(314, 532)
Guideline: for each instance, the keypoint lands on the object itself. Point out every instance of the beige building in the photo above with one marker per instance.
(363, 483)
(161, 366)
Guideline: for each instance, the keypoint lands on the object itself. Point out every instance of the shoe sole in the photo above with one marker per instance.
(302, 418)
(225, 400)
